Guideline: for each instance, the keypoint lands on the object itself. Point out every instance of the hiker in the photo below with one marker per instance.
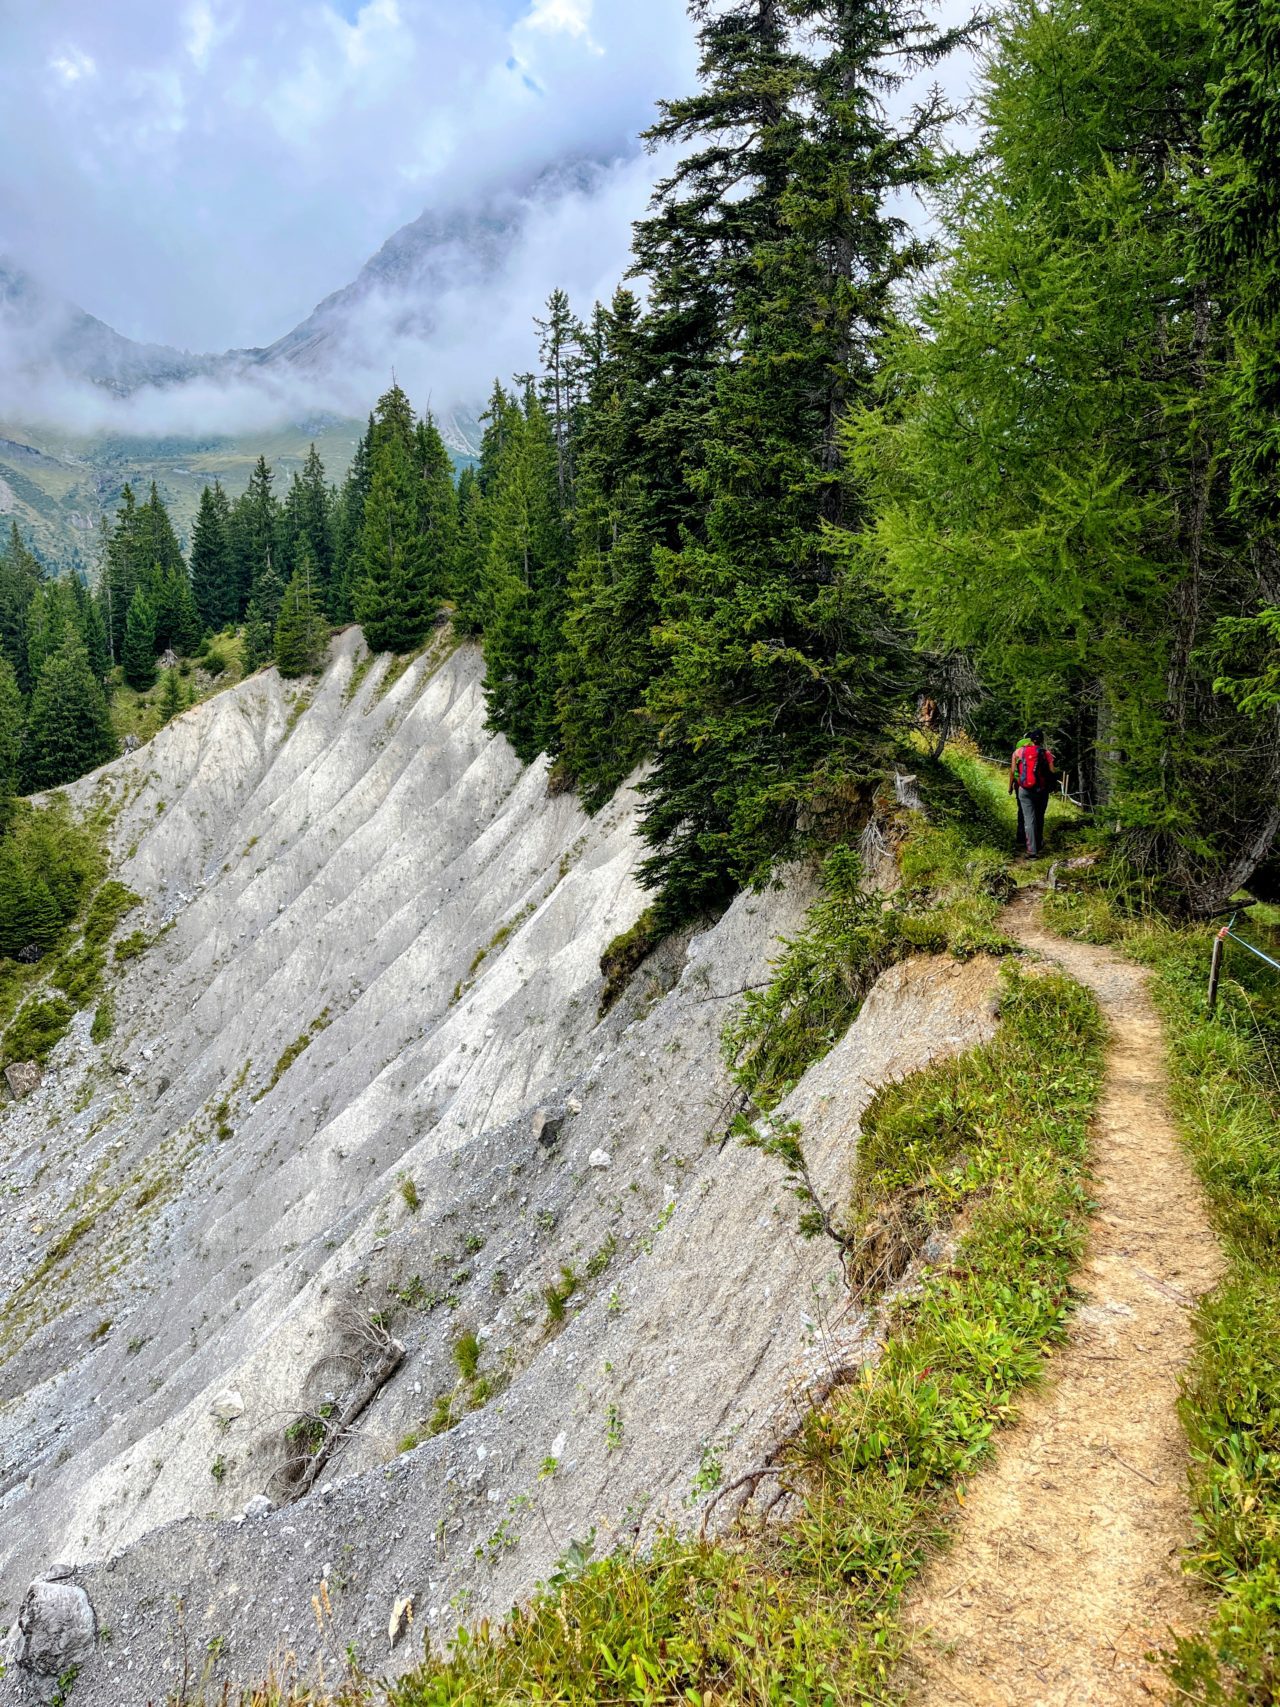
(1031, 774)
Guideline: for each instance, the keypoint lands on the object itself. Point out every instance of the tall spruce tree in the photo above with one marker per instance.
(393, 600)
(256, 541)
(469, 553)
(302, 634)
(437, 507)
(19, 583)
(780, 676)
(157, 543)
(138, 649)
(91, 628)
(69, 728)
(12, 721)
(125, 567)
(52, 616)
(562, 368)
(213, 580)
(308, 521)
(608, 658)
(523, 586)
(348, 531)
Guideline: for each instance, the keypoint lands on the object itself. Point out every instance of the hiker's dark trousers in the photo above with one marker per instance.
(1033, 803)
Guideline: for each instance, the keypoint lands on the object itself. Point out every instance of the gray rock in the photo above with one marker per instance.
(545, 1127)
(57, 1630)
(227, 1406)
(599, 1159)
(259, 1506)
(131, 744)
(23, 1077)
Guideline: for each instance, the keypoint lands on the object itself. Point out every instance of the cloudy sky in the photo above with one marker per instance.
(202, 172)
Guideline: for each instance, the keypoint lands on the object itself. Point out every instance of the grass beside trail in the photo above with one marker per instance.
(807, 1613)
(1224, 1071)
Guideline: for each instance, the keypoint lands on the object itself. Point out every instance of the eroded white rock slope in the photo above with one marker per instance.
(334, 865)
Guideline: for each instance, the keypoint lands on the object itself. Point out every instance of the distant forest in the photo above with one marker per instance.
(817, 468)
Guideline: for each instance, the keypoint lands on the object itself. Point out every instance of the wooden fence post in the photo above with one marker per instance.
(1215, 968)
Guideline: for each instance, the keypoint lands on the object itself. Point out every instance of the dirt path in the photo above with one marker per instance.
(1065, 1566)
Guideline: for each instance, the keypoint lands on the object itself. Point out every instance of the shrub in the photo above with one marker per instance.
(130, 947)
(104, 1018)
(624, 954)
(40, 1025)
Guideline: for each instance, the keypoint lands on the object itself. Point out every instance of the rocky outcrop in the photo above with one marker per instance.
(55, 1634)
(384, 1262)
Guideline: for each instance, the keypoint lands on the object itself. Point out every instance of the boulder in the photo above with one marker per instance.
(401, 1619)
(545, 1127)
(259, 1506)
(56, 1631)
(131, 744)
(599, 1159)
(227, 1406)
(23, 1077)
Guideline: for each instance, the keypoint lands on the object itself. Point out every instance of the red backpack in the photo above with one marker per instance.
(1034, 766)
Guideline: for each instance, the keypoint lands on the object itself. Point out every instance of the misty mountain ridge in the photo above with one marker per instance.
(393, 298)
(88, 408)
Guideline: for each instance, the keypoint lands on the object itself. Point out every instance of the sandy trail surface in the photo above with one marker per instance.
(1065, 1572)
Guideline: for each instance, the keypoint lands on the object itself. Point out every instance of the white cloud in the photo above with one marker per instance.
(203, 172)
(201, 32)
(572, 17)
(72, 66)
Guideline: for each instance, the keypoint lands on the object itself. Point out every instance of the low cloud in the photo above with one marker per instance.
(201, 173)
(445, 351)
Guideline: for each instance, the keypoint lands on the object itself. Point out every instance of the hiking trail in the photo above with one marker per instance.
(1065, 1567)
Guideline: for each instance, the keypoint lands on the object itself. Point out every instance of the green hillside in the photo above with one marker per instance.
(57, 485)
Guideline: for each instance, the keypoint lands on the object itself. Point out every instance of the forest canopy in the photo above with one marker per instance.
(807, 468)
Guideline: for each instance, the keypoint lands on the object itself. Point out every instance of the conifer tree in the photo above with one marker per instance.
(213, 583)
(393, 599)
(91, 628)
(12, 717)
(138, 650)
(523, 588)
(125, 568)
(69, 728)
(1050, 482)
(309, 522)
(170, 697)
(469, 555)
(781, 675)
(177, 622)
(437, 507)
(349, 531)
(475, 525)
(20, 580)
(256, 544)
(257, 639)
(52, 616)
(157, 543)
(608, 658)
(561, 355)
(1238, 252)
(302, 634)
